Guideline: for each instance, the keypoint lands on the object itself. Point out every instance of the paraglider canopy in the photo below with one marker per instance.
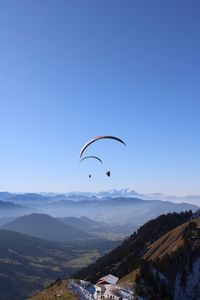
(99, 138)
(95, 157)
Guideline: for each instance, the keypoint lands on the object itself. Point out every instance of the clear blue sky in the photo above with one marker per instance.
(71, 70)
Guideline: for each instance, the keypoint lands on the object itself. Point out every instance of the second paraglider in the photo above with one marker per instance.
(89, 157)
(95, 157)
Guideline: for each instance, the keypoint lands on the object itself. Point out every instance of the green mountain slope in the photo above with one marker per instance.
(28, 263)
(170, 268)
(126, 257)
(161, 261)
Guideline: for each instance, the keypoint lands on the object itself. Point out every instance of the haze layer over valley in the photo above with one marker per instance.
(122, 210)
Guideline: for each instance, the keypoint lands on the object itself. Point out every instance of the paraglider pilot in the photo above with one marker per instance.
(108, 173)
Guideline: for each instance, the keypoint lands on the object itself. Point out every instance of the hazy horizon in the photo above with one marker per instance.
(100, 191)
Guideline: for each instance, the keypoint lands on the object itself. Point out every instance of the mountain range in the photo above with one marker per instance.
(161, 261)
(129, 213)
(77, 196)
(125, 214)
(151, 247)
(193, 199)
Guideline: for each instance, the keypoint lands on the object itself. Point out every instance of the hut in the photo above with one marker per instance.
(108, 279)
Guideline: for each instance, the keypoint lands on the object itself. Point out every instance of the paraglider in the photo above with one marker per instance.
(91, 156)
(95, 157)
(108, 173)
(100, 138)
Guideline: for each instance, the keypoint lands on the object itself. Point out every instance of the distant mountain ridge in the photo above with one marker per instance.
(8, 208)
(76, 196)
(126, 211)
(194, 199)
(84, 223)
(129, 213)
(45, 227)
